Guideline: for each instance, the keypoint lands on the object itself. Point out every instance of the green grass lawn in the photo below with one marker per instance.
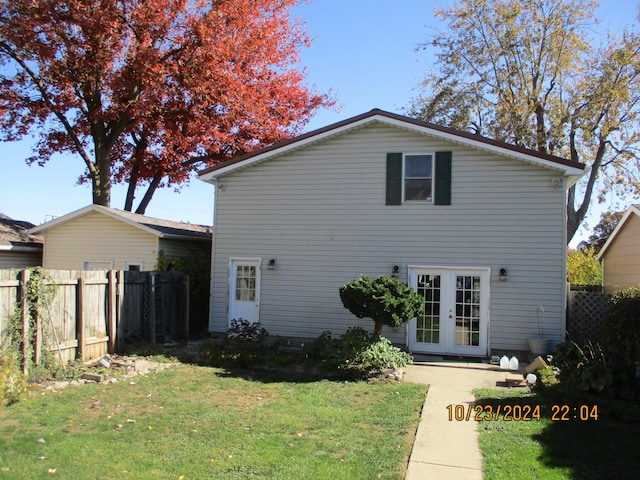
(194, 422)
(555, 449)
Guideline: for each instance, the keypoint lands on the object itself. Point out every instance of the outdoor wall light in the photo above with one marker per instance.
(272, 264)
(503, 274)
(395, 270)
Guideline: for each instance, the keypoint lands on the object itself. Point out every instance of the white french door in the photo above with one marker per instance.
(456, 311)
(244, 289)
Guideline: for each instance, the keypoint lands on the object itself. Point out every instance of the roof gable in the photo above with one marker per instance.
(155, 226)
(572, 170)
(633, 210)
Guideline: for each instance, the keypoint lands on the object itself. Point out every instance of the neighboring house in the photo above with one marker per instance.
(18, 248)
(620, 255)
(476, 226)
(101, 238)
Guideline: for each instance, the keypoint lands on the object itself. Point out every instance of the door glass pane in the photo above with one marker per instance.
(467, 331)
(428, 322)
(246, 283)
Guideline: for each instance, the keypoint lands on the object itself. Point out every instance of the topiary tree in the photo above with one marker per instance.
(385, 300)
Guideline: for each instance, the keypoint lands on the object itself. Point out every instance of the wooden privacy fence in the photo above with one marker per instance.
(96, 312)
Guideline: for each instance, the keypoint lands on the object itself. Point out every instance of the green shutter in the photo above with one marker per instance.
(443, 179)
(394, 178)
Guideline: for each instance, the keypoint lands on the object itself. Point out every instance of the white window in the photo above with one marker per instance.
(134, 266)
(418, 178)
(97, 265)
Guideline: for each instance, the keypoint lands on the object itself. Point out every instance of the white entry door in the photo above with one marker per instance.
(244, 289)
(456, 311)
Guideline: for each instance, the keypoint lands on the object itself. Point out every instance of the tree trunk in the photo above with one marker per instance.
(144, 203)
(131, 190)
(101, 177)
(377, 330)
(101, 189)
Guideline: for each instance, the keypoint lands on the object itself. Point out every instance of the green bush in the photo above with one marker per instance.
(360, 353)
(381, 355)
(321, 349)
(547, 378)
(582, 368)
(245, 334)
(355, 354)
(385, 300)
(621, 327)
(621, 341)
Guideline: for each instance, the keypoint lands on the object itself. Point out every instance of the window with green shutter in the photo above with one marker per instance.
(418, 178)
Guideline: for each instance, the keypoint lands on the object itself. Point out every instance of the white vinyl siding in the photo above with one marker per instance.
(320, 211)
(97, 238)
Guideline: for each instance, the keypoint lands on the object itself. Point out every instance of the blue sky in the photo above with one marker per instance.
(363, 51)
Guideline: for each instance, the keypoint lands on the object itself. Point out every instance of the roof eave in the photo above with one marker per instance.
(86, 210)
(632, 210)
(174, 236)
(21, 248)
(573, 171)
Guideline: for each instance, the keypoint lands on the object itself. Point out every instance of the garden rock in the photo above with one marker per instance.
(120, 368)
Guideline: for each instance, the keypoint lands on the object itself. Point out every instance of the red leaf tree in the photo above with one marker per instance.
(146, 91)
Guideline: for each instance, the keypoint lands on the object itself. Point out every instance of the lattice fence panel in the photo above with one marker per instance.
(585, 314)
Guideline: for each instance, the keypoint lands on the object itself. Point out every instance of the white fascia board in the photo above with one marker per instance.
(212, 177)
(61, 220)
(573, 174)
(632, 210)
(14, 248)
(566, 170)
(88, 209)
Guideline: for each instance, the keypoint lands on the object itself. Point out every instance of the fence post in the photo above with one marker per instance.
(80, 318)
(152, 307)
(111, 310)
(24, 317)
(37, 334)
(119, 311)
(187, 303)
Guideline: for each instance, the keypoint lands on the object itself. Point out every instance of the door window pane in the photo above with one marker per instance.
(428, 322)
(245, 283)
(467, 310)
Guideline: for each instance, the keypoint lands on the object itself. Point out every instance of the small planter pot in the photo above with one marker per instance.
(539, 346)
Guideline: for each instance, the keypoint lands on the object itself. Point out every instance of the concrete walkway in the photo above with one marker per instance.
(446, 449)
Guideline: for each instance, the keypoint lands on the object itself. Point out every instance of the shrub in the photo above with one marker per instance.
(385, 300)
(245, 334)
(359, 353)
(582, 368)
(382, 355)
(322, 348)
(13, 384)
(621, 340)
(621, 327)
(547, 377)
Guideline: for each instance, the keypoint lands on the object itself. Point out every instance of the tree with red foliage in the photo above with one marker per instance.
(147, 91)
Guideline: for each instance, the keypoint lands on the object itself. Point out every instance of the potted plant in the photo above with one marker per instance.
(539, 345)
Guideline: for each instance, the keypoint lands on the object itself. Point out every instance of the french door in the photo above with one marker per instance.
(456, 311)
